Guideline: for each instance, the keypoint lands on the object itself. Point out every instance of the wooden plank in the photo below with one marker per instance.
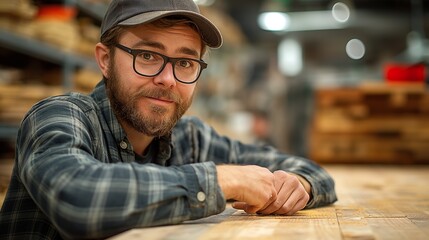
(367, 149)
(381, 208)
(382, 202)
(29, 91)
(319, 213)
(378, 98)
(187, 230)
(274, 228)
(353, 224)
(183, 231)
(334, 121)
(382, 88)
(327, 98)
(396, 228)
(422, 224)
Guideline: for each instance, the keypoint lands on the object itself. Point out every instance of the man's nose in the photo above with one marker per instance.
(166, 77)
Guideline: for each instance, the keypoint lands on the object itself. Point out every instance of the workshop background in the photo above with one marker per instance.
(336, 81)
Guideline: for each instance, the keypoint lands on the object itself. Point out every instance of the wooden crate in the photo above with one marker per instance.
(375, 123)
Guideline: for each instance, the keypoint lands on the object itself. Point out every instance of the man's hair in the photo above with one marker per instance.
(111, 37)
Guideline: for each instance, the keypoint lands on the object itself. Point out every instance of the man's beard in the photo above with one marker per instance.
(125, 106)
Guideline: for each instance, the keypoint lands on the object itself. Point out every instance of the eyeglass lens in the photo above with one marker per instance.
(150, 63)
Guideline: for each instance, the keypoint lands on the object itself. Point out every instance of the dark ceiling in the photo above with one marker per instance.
(382, 24)
(246, 12)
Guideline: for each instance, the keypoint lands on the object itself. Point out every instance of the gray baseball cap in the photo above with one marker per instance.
(134, 12)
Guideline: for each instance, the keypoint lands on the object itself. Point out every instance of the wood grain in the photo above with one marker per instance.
(375, 202)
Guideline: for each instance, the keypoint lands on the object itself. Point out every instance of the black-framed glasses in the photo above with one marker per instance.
(149, 64)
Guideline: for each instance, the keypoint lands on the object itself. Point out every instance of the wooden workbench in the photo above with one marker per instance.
(375, 202)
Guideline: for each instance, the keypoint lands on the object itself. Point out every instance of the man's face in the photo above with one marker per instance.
(152, 105)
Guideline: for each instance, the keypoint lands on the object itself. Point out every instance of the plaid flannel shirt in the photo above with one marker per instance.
(76, 174)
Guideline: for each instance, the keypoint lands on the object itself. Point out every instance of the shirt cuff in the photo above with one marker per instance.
(205, 196)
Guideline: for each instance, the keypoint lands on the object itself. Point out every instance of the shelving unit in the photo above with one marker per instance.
(67, 61)
(95, 10)
(43, 51)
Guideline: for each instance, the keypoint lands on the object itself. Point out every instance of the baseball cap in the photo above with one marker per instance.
(134, 12)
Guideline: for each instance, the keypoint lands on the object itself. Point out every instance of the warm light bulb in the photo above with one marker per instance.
(274, 21)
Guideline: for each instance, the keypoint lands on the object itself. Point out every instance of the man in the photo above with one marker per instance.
(124, 157)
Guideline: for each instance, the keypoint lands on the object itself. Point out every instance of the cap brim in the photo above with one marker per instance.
(209, 32)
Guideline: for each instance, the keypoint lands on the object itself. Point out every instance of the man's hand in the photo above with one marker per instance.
(253, 185)
(292, 195)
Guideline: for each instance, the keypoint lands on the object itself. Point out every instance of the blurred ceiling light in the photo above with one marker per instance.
(204, 2)
(340, 12)
(290, 57)
(298, 21)
(355, 49)
(273, 21)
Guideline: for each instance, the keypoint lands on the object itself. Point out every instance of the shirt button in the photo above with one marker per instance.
(201, 196)
(123, 145)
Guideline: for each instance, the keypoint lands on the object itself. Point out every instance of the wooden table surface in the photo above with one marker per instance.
(375, 202)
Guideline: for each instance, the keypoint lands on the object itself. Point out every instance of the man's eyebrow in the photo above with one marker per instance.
(189, 51)
(160, 46)
(144, 43)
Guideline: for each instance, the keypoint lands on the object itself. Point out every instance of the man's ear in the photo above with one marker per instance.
(102, 56)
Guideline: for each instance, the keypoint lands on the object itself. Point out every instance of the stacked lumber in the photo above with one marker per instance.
(17, 99)
(371, 123)
(18, 8)
(53, 24)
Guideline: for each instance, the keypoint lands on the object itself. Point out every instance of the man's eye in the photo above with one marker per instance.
(147, 56)
(185, 63)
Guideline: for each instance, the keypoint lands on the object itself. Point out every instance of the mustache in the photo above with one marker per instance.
(159, 93)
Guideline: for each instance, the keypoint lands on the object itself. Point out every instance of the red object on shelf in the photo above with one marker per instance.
(57, 12)
(405, 73)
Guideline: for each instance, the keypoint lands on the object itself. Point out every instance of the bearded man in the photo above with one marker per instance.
(92, 166)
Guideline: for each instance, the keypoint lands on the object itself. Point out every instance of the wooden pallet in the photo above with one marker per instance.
(376, 123)
(346, 148)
